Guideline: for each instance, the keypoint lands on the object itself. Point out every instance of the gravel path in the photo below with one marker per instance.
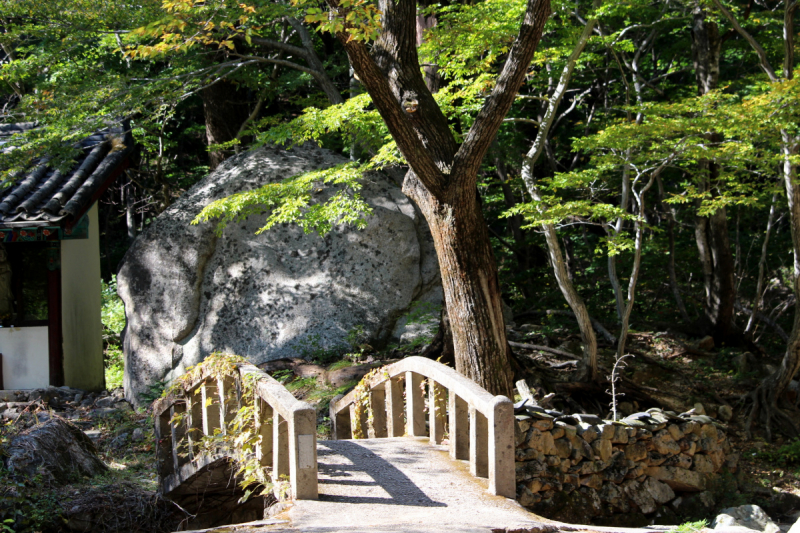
(403, 485)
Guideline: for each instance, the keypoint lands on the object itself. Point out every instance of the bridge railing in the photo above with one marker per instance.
(480, 426)
(286, 426)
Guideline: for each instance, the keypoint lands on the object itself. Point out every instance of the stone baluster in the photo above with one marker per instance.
(415, 406)
(280, 447)
(502, 471)
(164, 444)
(210, 407)
(478, 444)
(459, 427)
(194, 400)
(356, 420)
(436, 411)
(228, 401)
(180, 446)
(377, 404)
(303, 454)
(263, 421)
(394, 407)
(341, 425)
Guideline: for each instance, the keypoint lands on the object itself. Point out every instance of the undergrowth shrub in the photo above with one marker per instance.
(113, 316)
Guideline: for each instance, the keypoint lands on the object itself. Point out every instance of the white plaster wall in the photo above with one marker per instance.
(25, 357)
(80, 308)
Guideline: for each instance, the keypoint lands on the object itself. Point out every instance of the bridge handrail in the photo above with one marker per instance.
(285, 425)
(481, 425)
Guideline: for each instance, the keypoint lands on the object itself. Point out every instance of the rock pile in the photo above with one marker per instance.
(30, 407)
(578, 468)
(57, 451)
(744, 519)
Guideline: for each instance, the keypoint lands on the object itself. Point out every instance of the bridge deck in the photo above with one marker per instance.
(402, 484)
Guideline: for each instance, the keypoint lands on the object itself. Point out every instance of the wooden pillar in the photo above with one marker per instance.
(55, 342)
(394, 407)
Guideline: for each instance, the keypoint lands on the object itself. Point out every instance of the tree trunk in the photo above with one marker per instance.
(443, 176)
(130, 209)
(711, 232)
(521, 251)
(557, 261)
(616, 287)
(790, 364)
(225, 110)
(765, 397)
(471, 288)
(637, 262)
(673, 278)
(762, 266)
(574, 300)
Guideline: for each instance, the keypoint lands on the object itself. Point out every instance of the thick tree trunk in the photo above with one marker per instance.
(471, 289)
(713, 242)
(443, 175)
(225, 110)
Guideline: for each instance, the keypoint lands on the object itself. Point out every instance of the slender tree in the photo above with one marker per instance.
(574, 299)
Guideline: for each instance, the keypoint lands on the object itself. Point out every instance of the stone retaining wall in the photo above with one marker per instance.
(582, 469)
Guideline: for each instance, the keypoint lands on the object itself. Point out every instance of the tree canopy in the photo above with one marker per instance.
(647, 145)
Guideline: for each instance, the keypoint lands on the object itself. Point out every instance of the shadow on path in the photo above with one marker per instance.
(366, 463)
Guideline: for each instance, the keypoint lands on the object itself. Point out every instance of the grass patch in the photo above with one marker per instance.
(344, 363)
(690, 527)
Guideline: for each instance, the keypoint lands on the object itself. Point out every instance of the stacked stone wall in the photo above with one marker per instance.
(580, 468)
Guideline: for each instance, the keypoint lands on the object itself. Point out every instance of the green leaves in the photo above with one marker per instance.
(360, 20)
(300, 200)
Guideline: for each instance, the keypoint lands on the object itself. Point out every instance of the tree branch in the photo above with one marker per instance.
(520, 119)
(762, 55)
(482, 133)
(277, 45)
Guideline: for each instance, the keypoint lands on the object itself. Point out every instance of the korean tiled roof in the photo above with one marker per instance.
(45, 196)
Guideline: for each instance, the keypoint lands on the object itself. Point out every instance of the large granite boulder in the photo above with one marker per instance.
(189, 292)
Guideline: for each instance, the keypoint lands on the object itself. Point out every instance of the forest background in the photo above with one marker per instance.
(643, 177)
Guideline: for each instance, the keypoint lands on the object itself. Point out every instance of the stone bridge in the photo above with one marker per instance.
(391, 467)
